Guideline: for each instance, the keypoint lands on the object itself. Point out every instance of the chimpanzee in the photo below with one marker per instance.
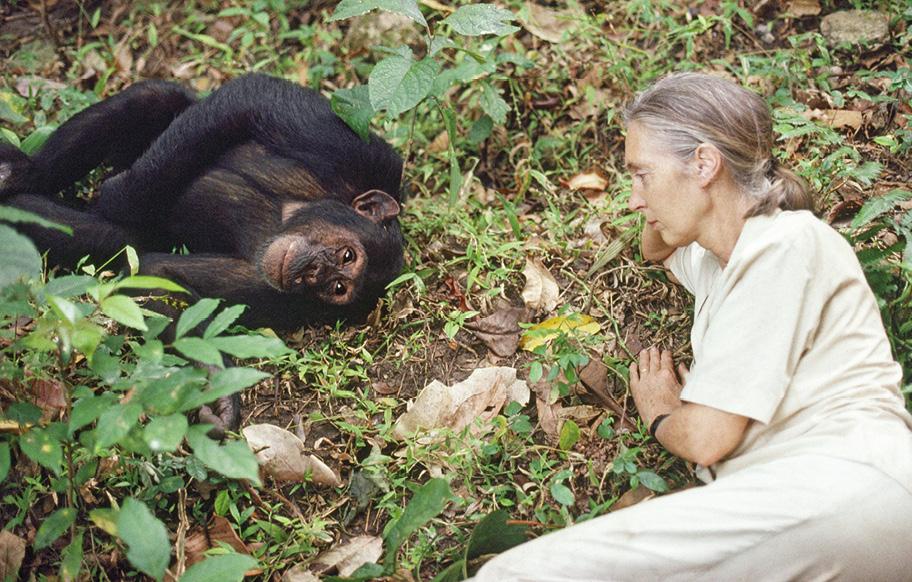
(281, 205)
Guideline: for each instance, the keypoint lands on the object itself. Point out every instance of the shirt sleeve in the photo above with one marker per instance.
(758, 333)
(694, 267)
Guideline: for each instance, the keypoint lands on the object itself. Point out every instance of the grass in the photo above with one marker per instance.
(347, 386)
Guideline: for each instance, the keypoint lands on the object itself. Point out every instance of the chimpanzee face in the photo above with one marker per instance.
(328, 249)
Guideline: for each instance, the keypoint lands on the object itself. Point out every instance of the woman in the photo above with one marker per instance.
(792, 409)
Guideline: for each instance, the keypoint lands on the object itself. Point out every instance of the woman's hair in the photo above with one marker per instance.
(685, 110)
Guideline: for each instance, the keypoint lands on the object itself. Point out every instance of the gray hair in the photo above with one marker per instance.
(686, 110)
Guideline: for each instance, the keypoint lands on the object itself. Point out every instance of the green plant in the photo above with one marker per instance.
(84, 393)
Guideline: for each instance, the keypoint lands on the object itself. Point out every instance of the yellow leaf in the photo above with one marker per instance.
(544, 332)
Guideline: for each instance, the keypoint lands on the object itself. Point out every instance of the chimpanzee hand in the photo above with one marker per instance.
(224, 415)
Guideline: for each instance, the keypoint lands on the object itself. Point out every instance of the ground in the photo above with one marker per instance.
(536, 228)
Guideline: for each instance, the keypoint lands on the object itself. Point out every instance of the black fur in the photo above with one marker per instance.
(213, 176)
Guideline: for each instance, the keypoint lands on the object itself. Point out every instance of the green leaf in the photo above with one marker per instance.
(148, 548)
(36, 139)
(877, 206)
(426, 504)
(354, 107)
(65, 310)
(4, 461)
(165, 433)
(494, 535)
(147, 282)
(652, 481)
(224, 568)
(124, 310)
(39, 445)
(455, 572)
(398, 83)
(250, 346)
(493, 104)
(71, 559)
(481, 19)
(225, 383)
(480, 130)
(195, 315)
(200, 350)
(569, 435)
(54, 526)
(224, 320)
(87, 409)
(562, 494)
(349, 8)
(233, 459)
(449, 119)
(114, 424)
(17, 215)
(69, 285)
(18, 257)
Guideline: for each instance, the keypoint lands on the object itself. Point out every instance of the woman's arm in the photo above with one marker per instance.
(694, 432)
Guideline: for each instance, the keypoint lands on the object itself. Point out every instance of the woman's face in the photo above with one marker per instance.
(665, 190)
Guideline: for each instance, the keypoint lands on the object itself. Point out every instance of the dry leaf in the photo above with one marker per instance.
(480, 396)
(12, 552)
(589, 181)
(29, 85)
(200, 540)
(283, 456)
(801, 8)
(49, 397)
(350, 556)
(835, 118)
(548, 412)
(548, 24)
(632, 497)
(542, 333)
(500, 331)
(440, 144)
(299, 573)
(541, 290)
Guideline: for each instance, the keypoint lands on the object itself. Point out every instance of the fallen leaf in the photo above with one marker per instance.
(588, 181)
(593, 230)
(542, 333)
(801, 8)
(541, 290)
(12, 552)
(835, 118)
(299, 573)
(283, 456)
(50, 398)
(350, 556)
(595, 378)
(440, 144)
(548, 24)
(500, 331)
(202, 539)
(632, 497)
(30, 85)
(480, 396)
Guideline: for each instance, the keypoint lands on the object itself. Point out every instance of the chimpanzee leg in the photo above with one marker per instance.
(92, 234)
(253, 107)
(117, 131)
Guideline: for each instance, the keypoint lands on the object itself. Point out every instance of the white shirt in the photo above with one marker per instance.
(788, 334)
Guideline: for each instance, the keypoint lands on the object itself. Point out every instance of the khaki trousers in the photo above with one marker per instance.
(799, 518)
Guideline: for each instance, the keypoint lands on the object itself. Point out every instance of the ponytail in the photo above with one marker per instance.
(784, 189)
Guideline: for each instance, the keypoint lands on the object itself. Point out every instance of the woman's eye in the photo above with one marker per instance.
(339, 289)
(348, 257)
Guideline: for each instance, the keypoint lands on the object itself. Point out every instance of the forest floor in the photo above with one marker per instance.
(536, 248)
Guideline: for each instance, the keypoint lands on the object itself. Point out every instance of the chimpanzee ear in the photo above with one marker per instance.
(376, 206)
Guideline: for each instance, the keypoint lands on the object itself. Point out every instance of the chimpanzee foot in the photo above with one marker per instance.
(224, 415)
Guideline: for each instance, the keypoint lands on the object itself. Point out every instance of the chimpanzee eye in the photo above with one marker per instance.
(348, 257)
(339, 288)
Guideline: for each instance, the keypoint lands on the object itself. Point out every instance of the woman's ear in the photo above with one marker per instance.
(708, 163)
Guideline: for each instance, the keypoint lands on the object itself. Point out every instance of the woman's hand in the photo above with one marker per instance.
(698, 433)
(654, 384)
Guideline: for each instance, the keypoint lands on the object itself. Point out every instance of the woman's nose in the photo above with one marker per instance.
(636, 202)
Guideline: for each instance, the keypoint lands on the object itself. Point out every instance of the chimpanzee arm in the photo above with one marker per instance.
(233, 114)
(116, 130)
